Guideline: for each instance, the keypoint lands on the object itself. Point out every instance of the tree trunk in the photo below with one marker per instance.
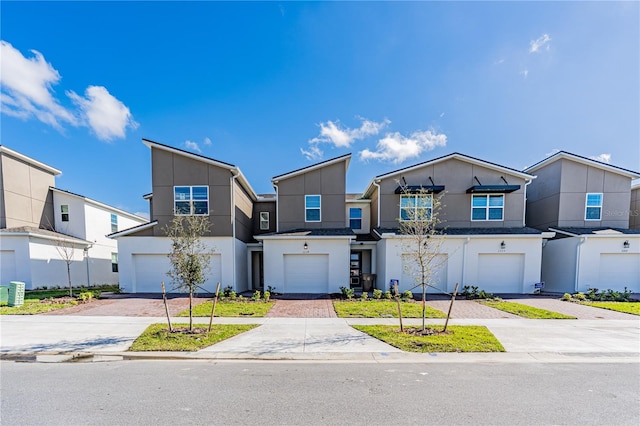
(190, 310)
(424, 304)
(69, 278)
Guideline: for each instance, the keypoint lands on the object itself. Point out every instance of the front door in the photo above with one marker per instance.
(356, 269)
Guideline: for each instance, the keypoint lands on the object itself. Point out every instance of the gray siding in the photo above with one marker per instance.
(329, 182)
(457, 176)
(634, 210)
(543, 197)
(264, 206)
(244, 214)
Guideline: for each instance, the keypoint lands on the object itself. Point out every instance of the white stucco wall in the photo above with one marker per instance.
(337, 249)
(559, 265)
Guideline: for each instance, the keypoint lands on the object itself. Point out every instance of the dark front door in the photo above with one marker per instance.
(356, 269)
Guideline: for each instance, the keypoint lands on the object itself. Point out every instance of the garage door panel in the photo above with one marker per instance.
(307, 273)
(151, 270)
(619, 270)
(439, 275)
(500, 273)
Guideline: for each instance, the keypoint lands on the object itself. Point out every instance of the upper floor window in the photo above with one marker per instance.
(114, 262)
(264, 221)
(415, 207)
(191, 200)
(355, 218)
(64, 209)
(312, 208)
(593, 208)
(114, 223)
(487, 207)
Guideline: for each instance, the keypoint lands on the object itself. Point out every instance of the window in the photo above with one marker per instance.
(191, 200)
(487, 207)
(593, 209)
(114, 223)
(312, 208)
(355, 218)
(264, 221)
(114, 262)
(415, 207)
(64, 209)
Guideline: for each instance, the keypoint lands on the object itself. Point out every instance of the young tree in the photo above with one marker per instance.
(189, 257)
(423, 239)
(66, 250)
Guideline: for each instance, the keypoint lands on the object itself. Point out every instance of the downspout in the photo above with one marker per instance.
(464, 261)
(577, 280)
(275, 186)
(378, 207)
(235, 175)
(524, 209)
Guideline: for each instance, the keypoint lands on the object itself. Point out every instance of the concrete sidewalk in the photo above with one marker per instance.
(320, 339)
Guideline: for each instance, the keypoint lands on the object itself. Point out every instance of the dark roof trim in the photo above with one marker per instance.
(570, 155)
(188, 152)
(313, 166)
(416, 189)
(493, 189)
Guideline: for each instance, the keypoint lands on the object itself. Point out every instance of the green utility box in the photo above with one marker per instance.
(16, 293)
(4, 295)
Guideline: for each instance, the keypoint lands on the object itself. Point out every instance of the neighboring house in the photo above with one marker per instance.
(634, 209)
(189, 184)
(41, 227)
(587, 204)
(482, 209)
(313, 249)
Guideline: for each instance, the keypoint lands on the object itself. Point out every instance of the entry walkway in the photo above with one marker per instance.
(309, 307)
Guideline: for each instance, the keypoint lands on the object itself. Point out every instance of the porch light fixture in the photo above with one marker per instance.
(626, 244)
(305, 247)
(503, 245)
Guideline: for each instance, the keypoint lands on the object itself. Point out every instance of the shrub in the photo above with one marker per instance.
(85, 296)
(233, 295)
(377, 293)
(256, 296)
(609, 295)
(266, 296)
(240, 298)
(407, 295)
(271, 289)
(474, 293)
(364, 295)
(226, 292)
(347, 293)
(387, 295)
(566, 297)
(580, 296)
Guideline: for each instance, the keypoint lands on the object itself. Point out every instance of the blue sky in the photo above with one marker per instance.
(275, 86)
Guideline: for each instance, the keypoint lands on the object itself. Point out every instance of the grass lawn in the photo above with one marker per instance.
(463, 338)
(382, 308)
(60, 292)
(33, 307)
(230, 309)
(626, 307)
(525, 311)
(158, 338)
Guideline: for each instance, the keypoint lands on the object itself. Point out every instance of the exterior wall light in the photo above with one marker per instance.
(626, 244)
(503, 245)
(305, 247)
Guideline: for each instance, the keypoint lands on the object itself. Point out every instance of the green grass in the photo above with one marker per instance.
(626, 307)
(33, 307)
(230, 309)
(158, 338)
(61, 292)
(524, 311)
(382, 308)
(463, 338)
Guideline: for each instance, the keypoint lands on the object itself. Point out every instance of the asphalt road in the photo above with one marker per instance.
(289, 393)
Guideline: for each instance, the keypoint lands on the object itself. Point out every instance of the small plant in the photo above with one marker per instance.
(474, 293)
(347, 293)
(271, 289)
(241, 298)
(387, 295)
(566, 297)
(608, 296)
(364, 296)
(580, 297)
(226, 292)
(233, 295)
(256, 296)
(266, 295)
(377, 294)
(407, 295)
(85, 296)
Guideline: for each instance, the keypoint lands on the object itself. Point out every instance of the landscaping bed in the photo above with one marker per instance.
(524, 311)
(374, 308)
(47, 300)
(632, 308)
(157, 337)
(36, 306)
(226, 308)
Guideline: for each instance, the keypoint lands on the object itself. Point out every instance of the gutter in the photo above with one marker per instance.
(275, 186)
(577, 278)
(524, 209)
(376, 184)
(464, 260)
(235, 174)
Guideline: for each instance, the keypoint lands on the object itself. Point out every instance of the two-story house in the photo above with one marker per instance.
(587, 204)
(184, 183)
(634, 208)
(310, 250)
(482, 209)
(43, 227)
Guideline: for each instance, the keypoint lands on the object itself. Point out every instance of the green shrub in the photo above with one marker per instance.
(240, 298)
(377, 293)
(387, 295)
(407, 295)
(271, 289)
(233, 295)
(364, 295)
(566, 297)
(256, 296)
(580, 296)
(609, 295)
(226, 292)
(347, 293)
(85, 296)
(266, 296)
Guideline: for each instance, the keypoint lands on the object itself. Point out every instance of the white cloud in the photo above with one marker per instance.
(207, 141)
(539, 43)
(313, 153)
(143, 214)
(603, 158)
(27, 91)
(192, 146)
(103, 113)
(396, 148)
(331, 132)
(525, 73)
(27, 87)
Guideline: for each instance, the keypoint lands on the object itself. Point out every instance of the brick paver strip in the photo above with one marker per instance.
(575, 309)
(469, 309)
(128, 307)
(322, 308)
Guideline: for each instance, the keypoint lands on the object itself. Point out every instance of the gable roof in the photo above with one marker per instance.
(29, 160)
(231, 167)
(456, 156)
(133, 230)
(99, 204)
(346, 157)
(583, 160)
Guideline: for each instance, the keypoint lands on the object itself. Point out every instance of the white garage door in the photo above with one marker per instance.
(500, 273)
(151, 270)
(411, 275)
(620, 270)
(306, 273)
(7, 266)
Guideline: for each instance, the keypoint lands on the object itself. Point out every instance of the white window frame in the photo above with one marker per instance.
(264, 221)
(355, 218)
(190, 200)
(114, 223)
(64, 210)
(114, 262)
(587, 206)
(319, 208)
(487, 207)
(414, 205)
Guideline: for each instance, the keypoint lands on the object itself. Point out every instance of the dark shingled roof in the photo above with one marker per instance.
(365, 238)
(474, 231)
(598, 231)
(328, 232)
